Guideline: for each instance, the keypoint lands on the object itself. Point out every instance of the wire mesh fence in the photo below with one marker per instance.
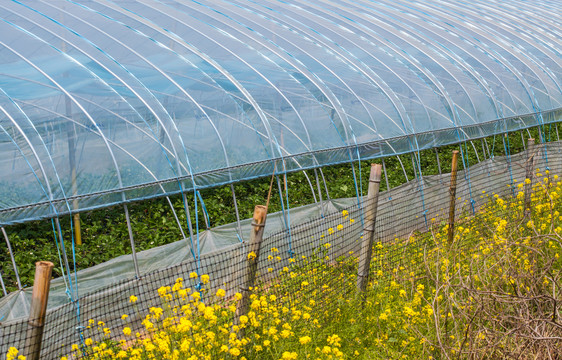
(306, 275)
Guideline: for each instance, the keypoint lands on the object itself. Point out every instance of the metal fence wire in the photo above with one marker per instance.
(313, 264)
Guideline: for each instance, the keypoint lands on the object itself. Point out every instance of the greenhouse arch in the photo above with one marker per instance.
(104, 103)
(147, 99)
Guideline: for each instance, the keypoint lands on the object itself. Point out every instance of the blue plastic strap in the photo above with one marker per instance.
(204, 207)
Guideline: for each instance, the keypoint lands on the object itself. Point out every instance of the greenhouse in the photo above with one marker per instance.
(110, 103)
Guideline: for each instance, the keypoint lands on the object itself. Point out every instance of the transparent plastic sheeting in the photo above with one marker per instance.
(400, 214)
(103, 102)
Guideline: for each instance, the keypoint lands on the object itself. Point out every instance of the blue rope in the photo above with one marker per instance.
(187, 215)
(418, 162)
(60, 257)
(79, 328)
(204, 207)
(285, 220)
(360, 193)
(291, 252)
(543, 140)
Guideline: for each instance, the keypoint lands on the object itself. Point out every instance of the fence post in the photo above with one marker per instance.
(453, 196)
(40, 295)
(529, 176)
(258, 224)
(369, 230)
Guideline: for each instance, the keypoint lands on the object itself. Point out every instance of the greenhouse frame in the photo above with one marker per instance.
(108, 102)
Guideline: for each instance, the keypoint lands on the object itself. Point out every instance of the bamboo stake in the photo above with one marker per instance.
(40, 295)
(453, 196)
(258, 224)
(71, 134)
(529, 176)
(369, 230)
(77, 231)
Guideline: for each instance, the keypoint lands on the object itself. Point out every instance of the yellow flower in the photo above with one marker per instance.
(88, 342)
(124, 316)
(238, 296)
(162, 291)
(12, 352)
(127, 331)
(274, 250)
(289, 355)
(234, 352)
(330, 231)
(252, 255)
(305, 340)
(193, 275)
(133, 299)
(220, 293)
(344, 213)
(205, 279)
(339, 227)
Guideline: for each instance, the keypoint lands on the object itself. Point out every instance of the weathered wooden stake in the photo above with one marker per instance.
(529, 176)
(453, 196)
(258, 224)
(40, 295)
(369, 230)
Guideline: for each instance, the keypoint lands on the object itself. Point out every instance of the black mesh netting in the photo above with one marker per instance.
(306, 274)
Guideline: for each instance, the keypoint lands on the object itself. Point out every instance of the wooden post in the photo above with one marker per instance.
(369, 230)
(40, 295)
(453, 196)
(529, 176)
(258, 224)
